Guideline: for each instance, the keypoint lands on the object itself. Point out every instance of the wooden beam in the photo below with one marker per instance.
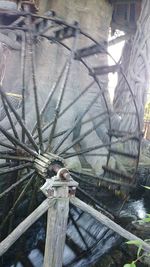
(109, 223)
(119, 39)
(103, 70)
(56, 230)
(22, 227)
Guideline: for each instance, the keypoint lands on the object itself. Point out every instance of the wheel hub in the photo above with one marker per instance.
(48, 162)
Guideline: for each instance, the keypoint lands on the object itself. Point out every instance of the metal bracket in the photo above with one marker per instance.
(61, 185)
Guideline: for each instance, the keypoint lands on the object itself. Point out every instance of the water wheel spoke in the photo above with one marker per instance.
(81, 137)
(16, 158)
(59, 102)
(16, 203)
(82, 123)
(16, 168)
(121, 153)
(77, 98)
(95, 202)
(23, 62)
(97, 181)
(14, 185)
(92, 118)
(68, 107)
(17, 142)
(118, 173)
(7, 146)
(87, 154)
(7, 152)
(92, 148)
(116, 133)
(39, 129)
(76, 123)
(62, 90)
(9, 118)
(20, 121)
(90, 249)
(6, 164)
(52, 91)
(101, 90)
(54, 136)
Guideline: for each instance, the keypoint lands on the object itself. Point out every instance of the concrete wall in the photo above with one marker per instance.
(94, 16)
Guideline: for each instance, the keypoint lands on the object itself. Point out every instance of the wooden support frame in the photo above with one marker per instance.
(58, 210)
(109, 223)
(22, 227)
(119, 39)
(56, 232)
(62, 187)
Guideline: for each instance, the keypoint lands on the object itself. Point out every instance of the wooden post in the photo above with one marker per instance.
(57, 218)
(56, 233)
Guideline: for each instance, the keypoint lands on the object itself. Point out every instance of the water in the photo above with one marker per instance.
(87, 240)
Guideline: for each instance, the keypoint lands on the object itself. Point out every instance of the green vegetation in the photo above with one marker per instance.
(138, 243)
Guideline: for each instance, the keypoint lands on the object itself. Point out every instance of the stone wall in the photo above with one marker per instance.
(94, 16)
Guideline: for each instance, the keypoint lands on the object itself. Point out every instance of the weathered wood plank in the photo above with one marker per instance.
(56, 232)
(119, 39)
(109, 223)
(103, 70)
(22, 227)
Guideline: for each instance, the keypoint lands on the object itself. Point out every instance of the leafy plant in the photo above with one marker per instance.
(147, 187)
(137, 242)
(132, 264)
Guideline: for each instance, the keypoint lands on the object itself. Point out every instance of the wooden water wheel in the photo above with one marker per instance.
(39, 134)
